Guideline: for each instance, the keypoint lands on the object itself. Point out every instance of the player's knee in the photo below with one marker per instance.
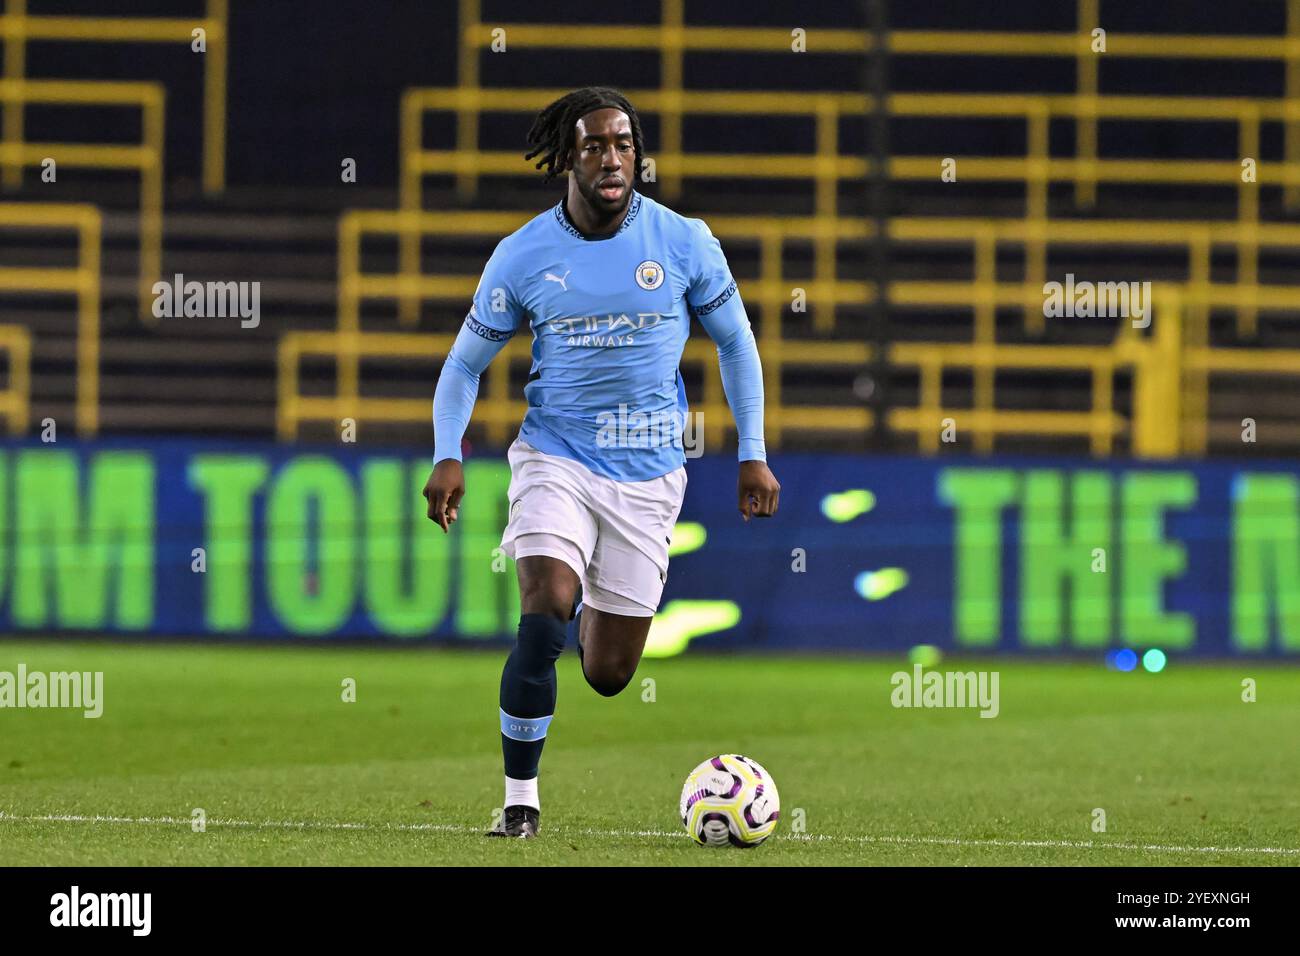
(538, 598)
(550, 609)
(607, 681)
(541, 640)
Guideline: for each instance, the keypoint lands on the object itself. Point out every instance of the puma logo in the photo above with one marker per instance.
(560, 279)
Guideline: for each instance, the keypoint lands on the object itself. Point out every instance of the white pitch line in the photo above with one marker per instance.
(1071, 844)
(263, 824)
(580, 831)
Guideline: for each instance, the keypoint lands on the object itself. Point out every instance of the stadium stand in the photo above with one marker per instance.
(1070, 153)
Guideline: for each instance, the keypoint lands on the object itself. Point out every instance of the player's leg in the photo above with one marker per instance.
(550, 534)
(611, 646)
(625, 579)
(547, 589)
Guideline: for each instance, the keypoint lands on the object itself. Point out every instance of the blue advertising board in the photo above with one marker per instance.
(867, 553)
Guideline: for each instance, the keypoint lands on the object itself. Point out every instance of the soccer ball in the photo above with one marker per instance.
(729, 799)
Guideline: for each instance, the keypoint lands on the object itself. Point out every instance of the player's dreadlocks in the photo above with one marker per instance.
(552, 134)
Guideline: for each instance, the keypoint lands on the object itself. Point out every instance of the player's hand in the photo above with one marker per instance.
(758, 489)
(443, 490)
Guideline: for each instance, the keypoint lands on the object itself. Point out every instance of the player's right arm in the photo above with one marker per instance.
(491, 322)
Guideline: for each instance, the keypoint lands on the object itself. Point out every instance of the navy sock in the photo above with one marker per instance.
(528, 693)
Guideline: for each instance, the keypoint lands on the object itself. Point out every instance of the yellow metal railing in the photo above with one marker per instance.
(826, 168)
(1171, 366)
(82, 281)
(1196, 359)
(15, 398)
(1196, 239)
(146, 158)
(1154, 361)
(1284, 50)
(982, 294)
(671, 38)
(18, 28)
(1037, 169)
(771, 292)
(498, 412)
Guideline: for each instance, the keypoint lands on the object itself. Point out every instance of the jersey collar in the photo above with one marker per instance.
(562, 217)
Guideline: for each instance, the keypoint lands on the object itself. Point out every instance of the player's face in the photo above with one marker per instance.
(604, 160)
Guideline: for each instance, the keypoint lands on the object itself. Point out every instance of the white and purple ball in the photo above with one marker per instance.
(730, 800)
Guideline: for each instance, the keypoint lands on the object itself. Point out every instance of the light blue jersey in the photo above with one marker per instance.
(610, 318)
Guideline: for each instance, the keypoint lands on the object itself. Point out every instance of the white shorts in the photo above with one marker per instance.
(614, 534)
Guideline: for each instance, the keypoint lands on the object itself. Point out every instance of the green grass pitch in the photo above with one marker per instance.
(288, 773)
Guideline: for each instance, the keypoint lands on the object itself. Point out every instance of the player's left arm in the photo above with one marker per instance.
(715, 301)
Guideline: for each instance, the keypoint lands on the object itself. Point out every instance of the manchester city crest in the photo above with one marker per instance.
(649, 275)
